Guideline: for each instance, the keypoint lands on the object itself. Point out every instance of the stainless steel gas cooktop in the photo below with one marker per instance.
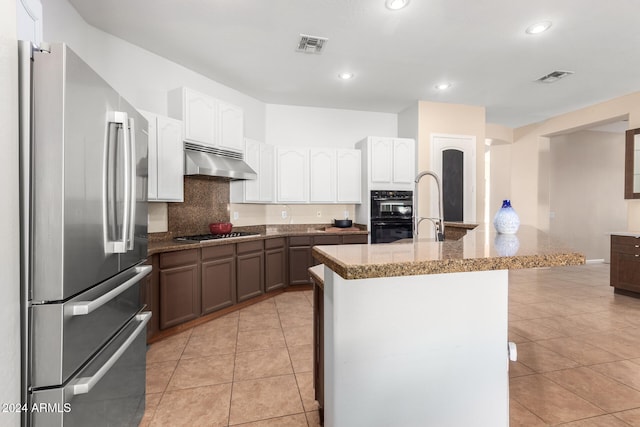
(207, 237)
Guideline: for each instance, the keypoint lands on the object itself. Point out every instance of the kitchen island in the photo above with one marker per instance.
(415, 334)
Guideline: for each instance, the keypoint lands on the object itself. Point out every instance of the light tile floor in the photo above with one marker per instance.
(578, 359)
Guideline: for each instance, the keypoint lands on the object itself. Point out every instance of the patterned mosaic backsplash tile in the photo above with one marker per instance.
(206, 200)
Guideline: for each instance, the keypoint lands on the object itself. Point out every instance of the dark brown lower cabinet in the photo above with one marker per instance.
(318, 345)
(179, 287)
(190, 283)
(350, 239)
(218, 269)
(250, 270)
(300, 254)
(150, 296)
(299, 260)
(625, 263)
(275, 264)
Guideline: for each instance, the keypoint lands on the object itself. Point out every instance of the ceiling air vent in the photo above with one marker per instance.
(311, 44)
(554, 76)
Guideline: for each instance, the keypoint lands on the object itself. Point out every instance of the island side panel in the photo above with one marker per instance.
(416, 350)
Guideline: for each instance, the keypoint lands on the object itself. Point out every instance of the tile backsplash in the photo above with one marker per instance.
(206, 200)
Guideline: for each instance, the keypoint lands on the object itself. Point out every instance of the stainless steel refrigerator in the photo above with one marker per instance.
(83, 154)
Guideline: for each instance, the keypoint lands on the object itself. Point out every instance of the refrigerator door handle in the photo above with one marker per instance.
(118, 246)
(132, 184)
(82, 308)
(85, 384)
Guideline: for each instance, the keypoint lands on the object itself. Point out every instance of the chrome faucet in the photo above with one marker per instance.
(438, 223)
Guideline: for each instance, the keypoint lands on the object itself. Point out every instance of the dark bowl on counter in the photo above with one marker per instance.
(342, 223)
(220, 227)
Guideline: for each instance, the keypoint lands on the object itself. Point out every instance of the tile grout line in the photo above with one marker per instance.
(233, 373)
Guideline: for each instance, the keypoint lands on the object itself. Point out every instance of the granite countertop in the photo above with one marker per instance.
(317, 273)
(465, 225)
(171, 245)
(480, 249)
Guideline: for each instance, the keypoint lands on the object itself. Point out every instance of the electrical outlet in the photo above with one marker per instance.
(319, 214)
(236, 215)
(284, 214)
(346, 214)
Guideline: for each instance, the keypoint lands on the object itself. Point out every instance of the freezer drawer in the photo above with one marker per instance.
(66, 335)
(109, 391)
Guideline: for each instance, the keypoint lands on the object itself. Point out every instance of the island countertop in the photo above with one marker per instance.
(480, 249)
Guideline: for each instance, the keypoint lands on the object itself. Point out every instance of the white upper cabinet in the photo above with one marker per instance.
(381, 160)
(266, 180)
(348, 176)
(200, 113)
(292, 166)
(404, 157)
(165, 159)
(231, 122)
(322, 176)
(299, 175)
(207, 120)
(29, 20)
(260, 157)
(389, 163)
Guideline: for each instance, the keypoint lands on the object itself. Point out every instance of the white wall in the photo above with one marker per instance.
(325, 127)
(500, 181)
(9, 223)
(587, 195)
(147, 78)
(142, 77)
(408, 123)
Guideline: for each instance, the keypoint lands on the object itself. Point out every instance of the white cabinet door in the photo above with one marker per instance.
(170, 160)
(252, 158)
(293, 175)
(200, 118)
(152, 156)
(165, 159)
(266, 176)
(381, 160)
(322, 176)
(231, 122)
(260, 157)
(348, 165)
(403, 161)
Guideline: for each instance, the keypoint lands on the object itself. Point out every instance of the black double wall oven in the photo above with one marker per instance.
(391, 215)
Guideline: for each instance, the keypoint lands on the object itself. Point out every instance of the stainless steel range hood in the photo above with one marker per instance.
(210, 161)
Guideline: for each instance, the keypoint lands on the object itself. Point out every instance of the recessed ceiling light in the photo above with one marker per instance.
(396, 4)
(346, 76)
(443, 86)
(538, 28)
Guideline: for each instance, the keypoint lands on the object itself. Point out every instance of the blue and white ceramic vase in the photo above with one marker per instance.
(506, 220)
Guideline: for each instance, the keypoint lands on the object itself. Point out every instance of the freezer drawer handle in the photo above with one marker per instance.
(81, 308)
(85, 384)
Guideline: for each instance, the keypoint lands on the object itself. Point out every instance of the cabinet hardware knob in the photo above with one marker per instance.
(637, 246)
(636, 255)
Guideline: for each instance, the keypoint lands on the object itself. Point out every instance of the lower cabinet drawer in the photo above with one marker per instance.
(245, 247)
(625, 244)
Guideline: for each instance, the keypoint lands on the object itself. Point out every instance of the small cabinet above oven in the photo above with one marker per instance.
(388, 163)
